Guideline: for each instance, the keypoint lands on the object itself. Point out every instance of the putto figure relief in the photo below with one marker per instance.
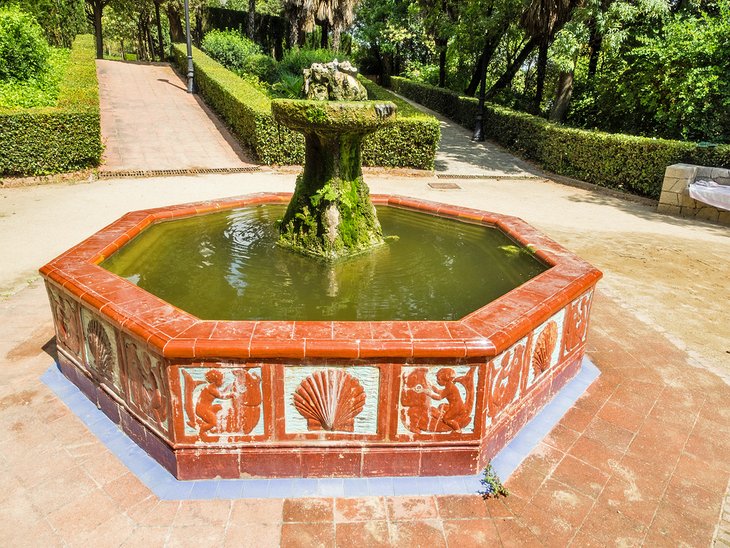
(506, 374)
(214, 407)
(420, 407)
(576, 323)
(146, 383)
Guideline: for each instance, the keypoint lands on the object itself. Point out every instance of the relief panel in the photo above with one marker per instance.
(101, 349)
(545, 348)
(146, 384)
(507, 373)
(330, 399)
(222, 404)
(437, 399)
(66, 320)
(576, 323)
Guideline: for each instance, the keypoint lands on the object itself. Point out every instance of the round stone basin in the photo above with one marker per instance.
(346, 117)
(270, 396)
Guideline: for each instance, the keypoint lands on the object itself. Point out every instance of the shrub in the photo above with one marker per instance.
(40, 91)
(23, 48)
(229, 48)
(625, 162)
(262, 66)
(64, 137)
(246, 108)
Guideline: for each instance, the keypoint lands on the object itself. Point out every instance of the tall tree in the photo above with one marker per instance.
(94, 11)
(542, 20)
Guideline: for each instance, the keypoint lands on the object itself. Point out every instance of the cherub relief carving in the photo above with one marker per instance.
(418, 395)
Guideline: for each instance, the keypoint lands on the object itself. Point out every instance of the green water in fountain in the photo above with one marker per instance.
(228, 266)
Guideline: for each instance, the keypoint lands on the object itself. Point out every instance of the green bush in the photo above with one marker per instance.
(246, 108)
(262, 66)
(229, 48)
(64, 137)
(40, 91)
(625, 162)
(23, 48)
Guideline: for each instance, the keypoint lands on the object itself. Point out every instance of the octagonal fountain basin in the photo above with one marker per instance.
(225, 355)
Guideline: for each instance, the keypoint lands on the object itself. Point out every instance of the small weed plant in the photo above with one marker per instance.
(492, 487)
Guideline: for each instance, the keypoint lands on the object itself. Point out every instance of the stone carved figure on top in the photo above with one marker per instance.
(205, 409)
(418, 413)
(333, 81)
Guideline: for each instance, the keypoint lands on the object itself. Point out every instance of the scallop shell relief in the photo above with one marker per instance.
(544, 348)
(100, 348)
(330, 400)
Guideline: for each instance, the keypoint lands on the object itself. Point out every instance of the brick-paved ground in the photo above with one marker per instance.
(150, 122)
(641, 459)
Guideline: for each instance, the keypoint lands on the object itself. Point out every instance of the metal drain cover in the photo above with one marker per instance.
(444, 186)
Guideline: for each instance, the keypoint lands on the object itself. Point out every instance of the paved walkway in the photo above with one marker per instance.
(459, 156)
(150, 122)
(641, 459)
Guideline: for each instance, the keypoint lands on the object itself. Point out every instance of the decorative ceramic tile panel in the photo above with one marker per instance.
(545, 348)
(506, 373)
(221, 404)
(576, 322)
(330, 399)
(100, 341)
(146, 383)
(66, 320)
(437, 399)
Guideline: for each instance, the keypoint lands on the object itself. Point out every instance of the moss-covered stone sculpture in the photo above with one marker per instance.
(330, 214)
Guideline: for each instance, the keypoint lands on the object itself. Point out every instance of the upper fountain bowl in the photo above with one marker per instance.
(346, 117)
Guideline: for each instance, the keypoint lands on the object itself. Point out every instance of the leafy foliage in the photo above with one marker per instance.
(491, 485)
(246, 107)
(65, 137)
(61, 20)
(625, 162)
(229, 48)
(39, 91)
(23, 48)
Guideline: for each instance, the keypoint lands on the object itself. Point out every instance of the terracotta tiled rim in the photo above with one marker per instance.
(287, 399)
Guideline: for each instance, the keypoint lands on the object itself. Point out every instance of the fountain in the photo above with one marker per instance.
(307, 388)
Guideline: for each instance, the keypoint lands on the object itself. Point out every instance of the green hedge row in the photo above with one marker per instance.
(626, 162)
(411, 142)
(66, 137)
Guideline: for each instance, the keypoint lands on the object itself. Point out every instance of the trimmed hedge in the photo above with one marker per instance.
(410, 142)
(626, 162)
(65, 137)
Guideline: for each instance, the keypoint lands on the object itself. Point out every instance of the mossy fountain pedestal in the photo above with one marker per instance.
(330, 214)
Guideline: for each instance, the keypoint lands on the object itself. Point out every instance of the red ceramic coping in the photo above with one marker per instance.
(175, 333)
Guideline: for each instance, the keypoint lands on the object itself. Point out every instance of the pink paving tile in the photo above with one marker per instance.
(370, 533)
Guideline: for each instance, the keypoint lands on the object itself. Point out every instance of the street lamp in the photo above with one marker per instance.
(190, 47)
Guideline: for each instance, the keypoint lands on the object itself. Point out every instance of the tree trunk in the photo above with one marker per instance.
(441, 44)
(509, 74)
(325, 26)
(562, 96)
(177, 33)
(387, 69)
(98, 8)
(542, 58)
(336, 36)
(594, 44)
(251, 18)
(159, 31)
(490, 46)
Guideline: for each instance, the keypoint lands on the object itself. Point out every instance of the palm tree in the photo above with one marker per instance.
(337, 15)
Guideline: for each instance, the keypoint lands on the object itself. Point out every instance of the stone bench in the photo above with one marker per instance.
(675, 198)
